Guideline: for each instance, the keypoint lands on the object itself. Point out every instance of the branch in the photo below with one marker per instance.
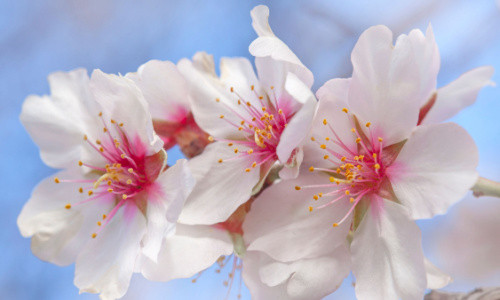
(486, 187)
(477, 294)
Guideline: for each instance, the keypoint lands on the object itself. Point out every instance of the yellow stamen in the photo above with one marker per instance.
(297, 188)
(345, 110)
(94, 235)
(311, 169)
(310, 208)
(325, 122)
(56, 180)
(68, 206)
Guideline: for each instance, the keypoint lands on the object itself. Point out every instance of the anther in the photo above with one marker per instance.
(351, 200)
(347, 192)
(100, 114)
(252, 87)
(325, 122)
(80, 190)
(56, 180)
(129, 181)
(85, 137)
(94, 235)
(380, 139)
(358, 140)
(250, 151)
(247, 170)
(99, 223)
(232, 90)
(67, 206)
(297, 188)
(104, 217)
(90, 193)
(345, 110)
(221, 116)
(80, 163)
(313, 139)
(311, 169)
(210, 138)
(124, 196)
(368, 124)
(220, 161)
(130, 170)
(326, 157)
(310, 208)
(217, 100)
(376, 166)
(254, 164)
(315, 197)
(236, 150)
(323, 146)
(335, 224)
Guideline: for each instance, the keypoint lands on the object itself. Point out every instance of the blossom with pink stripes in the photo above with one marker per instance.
(256, 122)
(115, 199)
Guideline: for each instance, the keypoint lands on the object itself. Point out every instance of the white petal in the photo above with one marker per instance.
(436, 279)
(211, 98)
(106, 264)
(267, 45)
(164, 206)
(238, 73)
(252, 263)
(427, 60)
(300, 124)
(164, 88)
(223, 188)
(435, 169)
(118, 96)
(57, 123)
(387, 255)
(281, 225)
(191, 250)
(292, 167)
(459, 94)
(385, 85)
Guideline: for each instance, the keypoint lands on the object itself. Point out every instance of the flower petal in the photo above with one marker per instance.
(281, 225)
(106, 264)
(57, 123)
(223, 188)
(435, 169)
(191, 250)
(300, 124)
(459, 94)
(164, 88)
(385, 86)
(436, 279)
(267, 45)
(387, 256)
(118, 96)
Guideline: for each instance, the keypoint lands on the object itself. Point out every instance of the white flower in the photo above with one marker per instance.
(167, 94)
(113, 201)
(256, 122)
(374, 170)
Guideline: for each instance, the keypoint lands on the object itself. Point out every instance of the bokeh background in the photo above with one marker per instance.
(40, 37)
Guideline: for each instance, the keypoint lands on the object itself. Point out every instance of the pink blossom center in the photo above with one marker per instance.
(261, 124)
(356, 171)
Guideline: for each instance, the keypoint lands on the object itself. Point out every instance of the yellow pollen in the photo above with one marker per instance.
(90, 193)
(85, 137)
(99, 223)
(347, 192)
(332, 179)
(124, 196)
(313, 139)
(80, 190)
(232, 89)
(104, 217)
(327, 139)
(310, 208)
(311, 169)
(94, 235)
(252, 87)
(122, 155)
(358, 140)
(338, 170)
(351, 200)
(261, 97)
(68, 206)
(98, 142)
(326, 157)
(343, 158)
(323, 146)
(376, 166)
(130, 170)
(220, 160)
(242, 122)
(345, 110)
(239, 102)
(121, 124)
(129, 181)
(109, 182)
(250, 151)
(272, 87)
(217, 100)
(320, 195)
(325, 122)
(236, 150)
(210, 138)
(368, 124)
(297, 188)
(221, 117)
(247, 170)
(240, 128)
(374, 155)
(335, 224)
(280, 111)
(353, 129)
(110, 190)
(263, 109)
(56, 180)
(104, 129)
(249, 104)
(380, 139)
(254, 164)
(101, 149)
(100, 114)
(315, 197)
(230, 144)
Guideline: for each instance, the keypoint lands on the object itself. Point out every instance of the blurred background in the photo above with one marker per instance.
(40, 37)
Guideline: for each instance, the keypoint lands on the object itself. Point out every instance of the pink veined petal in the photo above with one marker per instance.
(164, 88)
(57, 123)
(385, 86)
(281, 225)
(191, 250)
(107, 262)
(118, 96)
(299, 125)
(221, 188)
(387, 256)
(435, 169)
(459, 94)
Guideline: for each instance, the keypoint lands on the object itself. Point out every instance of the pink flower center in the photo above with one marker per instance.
(123, 176)
(262, 126)
(356, 171)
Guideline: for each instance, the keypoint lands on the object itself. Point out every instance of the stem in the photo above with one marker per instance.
(486, 187)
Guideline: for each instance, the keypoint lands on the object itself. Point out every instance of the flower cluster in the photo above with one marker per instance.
(288, 189)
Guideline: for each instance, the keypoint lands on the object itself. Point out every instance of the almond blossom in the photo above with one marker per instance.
(378, 159)
(167, 94)
(256, 122)
(114, 200)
